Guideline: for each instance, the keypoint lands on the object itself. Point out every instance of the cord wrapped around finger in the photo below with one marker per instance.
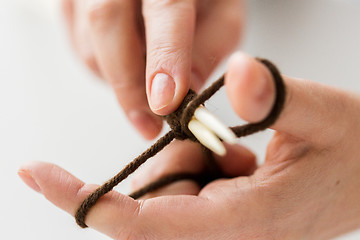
(178, 122)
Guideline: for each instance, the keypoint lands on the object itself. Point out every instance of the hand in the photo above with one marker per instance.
(185, 41)
(308, 187)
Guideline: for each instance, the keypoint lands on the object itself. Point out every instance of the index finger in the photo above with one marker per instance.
(117, 215)
(169, 27)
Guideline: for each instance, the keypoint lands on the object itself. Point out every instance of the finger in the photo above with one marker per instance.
(180, 187)
(311, 110)
(187, 157)
(68, 12)
(169, 29)
(120, 53)
(238, 161)
(116, 215)
(178, 157)
(80, 36)
(213, 41)
(68, 192)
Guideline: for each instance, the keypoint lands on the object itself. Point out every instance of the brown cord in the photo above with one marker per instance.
(178, 122)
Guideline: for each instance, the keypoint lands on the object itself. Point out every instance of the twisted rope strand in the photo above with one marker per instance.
(110, 184)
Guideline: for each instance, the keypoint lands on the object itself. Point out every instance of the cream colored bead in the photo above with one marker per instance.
(206, 137)
(214, 124)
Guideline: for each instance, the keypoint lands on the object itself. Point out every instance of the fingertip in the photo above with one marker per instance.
(238, 161)
(33, 173)
(57, 185)
(250, 87)
(28, 179)
(32, 167)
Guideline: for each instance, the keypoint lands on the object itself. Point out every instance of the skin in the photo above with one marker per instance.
(185, 40)
(308, 187)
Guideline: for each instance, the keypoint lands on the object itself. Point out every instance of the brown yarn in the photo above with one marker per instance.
(178, 122)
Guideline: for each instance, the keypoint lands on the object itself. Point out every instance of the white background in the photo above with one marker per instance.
(53, 109)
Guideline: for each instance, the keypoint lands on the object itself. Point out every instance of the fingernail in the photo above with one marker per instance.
(147, 124)
(29, 180)
(162, 91)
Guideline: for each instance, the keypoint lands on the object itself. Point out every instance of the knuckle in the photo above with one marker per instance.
(105, 10)
(90, 61)
(165, 55)
(160, 54)
(67, 6)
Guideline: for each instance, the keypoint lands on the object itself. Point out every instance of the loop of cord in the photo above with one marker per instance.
(178, 122)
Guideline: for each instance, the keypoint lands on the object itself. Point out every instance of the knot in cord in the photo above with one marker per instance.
(179, 120)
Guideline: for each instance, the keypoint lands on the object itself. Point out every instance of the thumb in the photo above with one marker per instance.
(311, 110)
